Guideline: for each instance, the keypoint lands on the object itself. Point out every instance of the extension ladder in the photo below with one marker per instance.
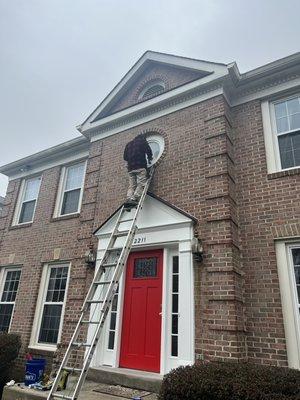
(98, 301)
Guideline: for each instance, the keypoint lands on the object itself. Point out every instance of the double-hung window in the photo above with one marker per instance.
(281, 122)
(71, 189)
(286, 124)
(27, 200)
(10, 278)
(50, 311)
(288, 263)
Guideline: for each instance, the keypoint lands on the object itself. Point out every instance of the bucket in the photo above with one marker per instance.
(34, 370)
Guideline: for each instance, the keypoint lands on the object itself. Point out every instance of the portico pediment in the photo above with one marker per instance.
(156, 213)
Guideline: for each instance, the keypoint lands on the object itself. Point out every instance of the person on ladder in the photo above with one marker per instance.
(137, 152)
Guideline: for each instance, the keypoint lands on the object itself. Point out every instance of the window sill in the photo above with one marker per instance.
(19, 226)
(280, 174)
(43, 349)
(64, 217)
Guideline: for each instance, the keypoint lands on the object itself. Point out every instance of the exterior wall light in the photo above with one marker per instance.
(90, 257)
(197, 249)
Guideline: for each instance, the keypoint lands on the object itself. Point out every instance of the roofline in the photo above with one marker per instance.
(154, 196)
(147, 55)
(61, 149)
(264, 70)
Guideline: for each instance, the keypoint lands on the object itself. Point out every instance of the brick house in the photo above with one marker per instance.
(228, 145)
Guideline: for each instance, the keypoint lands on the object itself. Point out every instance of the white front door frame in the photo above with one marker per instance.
(174, 239)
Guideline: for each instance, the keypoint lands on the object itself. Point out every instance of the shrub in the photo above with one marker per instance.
(231, 381)
(9, 349)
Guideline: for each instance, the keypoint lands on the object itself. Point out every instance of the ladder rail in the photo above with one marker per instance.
(108, 297)
(99, 269)
(117, 274)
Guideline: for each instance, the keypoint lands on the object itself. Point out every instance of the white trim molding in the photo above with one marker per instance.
(3, 275)
(270, 135)
(34, 340)
(61, 189)
(21, 200)
(290, 307)
(160, 227)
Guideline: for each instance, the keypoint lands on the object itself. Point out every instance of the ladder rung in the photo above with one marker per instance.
(114, 248)
(62, 396)
(109, 265)
(70, 369)
(126, 220)
(94, 301)
(102, 282)
(90, 322)
(77, 344)
(120, 234)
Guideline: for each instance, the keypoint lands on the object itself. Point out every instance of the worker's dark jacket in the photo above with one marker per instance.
(135, 153)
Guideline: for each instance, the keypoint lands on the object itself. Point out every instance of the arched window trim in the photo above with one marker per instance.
(156, 138)
(157, 82)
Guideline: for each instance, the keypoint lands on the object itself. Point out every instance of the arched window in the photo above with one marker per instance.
(151, 89)
(157, 145)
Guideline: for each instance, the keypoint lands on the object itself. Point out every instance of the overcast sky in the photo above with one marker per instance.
(59, 58)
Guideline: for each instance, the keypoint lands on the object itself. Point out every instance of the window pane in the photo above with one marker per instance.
(5, 316)
(175, 324)
(175, 283)
(32, 189)
(145, 267)
(74, 178)
(175, 265)
(11, 286)
(50, 323)
(113, 321)
(57, 284)
(296, 257)
(280, 110)
(111, 340)
(295, 121)
(174, 348)
(289, 148)
(293, 106)
(282, 125)
(27, 211)
(175, 303)
(155, 150)
(70, 202)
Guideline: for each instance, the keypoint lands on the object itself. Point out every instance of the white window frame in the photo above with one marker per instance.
(289, 299)
(154, 137)
(3, 275)
(20, 201)
(271, 135)
(34, 343)
(61, 190)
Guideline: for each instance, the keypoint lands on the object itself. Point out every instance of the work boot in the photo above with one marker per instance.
(130, 203)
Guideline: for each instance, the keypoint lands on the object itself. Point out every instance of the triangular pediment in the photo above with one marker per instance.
(176, 72)
(155, 213)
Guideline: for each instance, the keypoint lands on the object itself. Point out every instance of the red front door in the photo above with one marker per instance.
(141, 330)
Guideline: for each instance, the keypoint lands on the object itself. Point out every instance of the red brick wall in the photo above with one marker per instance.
(214, 168)
(33, 245)
(268, 209)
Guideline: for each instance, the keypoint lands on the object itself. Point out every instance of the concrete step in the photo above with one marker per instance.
(135, 379)
(88, 393)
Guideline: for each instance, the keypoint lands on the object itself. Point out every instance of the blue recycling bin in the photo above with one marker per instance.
(34, 370)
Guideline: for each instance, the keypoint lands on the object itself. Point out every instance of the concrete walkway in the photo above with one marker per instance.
(18, 393)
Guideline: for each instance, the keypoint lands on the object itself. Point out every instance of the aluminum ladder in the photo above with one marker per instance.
(98, 301)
